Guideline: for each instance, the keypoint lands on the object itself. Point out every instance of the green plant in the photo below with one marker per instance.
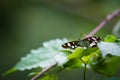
(104, 58)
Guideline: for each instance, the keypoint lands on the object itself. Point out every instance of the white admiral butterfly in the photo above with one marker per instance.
(86, 42)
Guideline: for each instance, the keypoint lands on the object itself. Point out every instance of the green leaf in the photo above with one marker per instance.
(96, 56)
(107, 66)
(73, 63)
(86, 59)
(108, 63)
(88, 51)
(76, 53)
(9, 71)
(44, 56)
(110, 38)
(109, 48)
(83, 54)
(80, 52)
(49, 77)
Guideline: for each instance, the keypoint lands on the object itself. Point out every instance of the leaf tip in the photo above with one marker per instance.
(9, 71)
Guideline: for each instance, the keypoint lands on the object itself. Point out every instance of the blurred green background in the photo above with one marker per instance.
(25, 24)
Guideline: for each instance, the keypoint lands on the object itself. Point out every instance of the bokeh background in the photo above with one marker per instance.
(25, 24)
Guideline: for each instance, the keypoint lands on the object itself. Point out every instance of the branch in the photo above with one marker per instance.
(104, 22)
(43, 71)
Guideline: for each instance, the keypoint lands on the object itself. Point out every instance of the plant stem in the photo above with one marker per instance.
(84, 72)
(104, 22)
(43, 71)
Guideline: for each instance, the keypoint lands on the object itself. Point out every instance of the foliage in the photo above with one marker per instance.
(103, 59)
(42, 57)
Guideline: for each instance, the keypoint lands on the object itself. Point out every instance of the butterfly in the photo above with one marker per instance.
(86, 43)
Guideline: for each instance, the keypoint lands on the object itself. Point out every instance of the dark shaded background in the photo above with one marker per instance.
(25, 24)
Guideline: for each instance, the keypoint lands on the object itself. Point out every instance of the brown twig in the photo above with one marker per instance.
(104, 22)
(43, 71)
